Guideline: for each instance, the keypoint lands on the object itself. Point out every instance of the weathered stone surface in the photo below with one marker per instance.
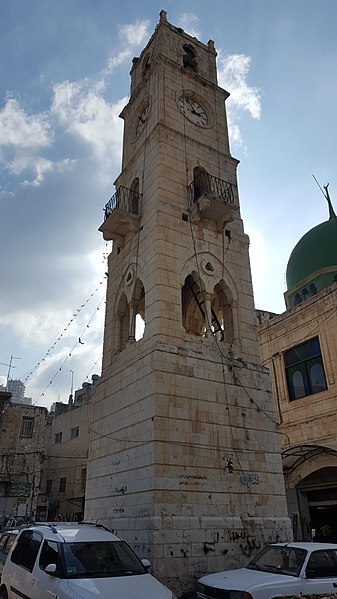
(184, 461)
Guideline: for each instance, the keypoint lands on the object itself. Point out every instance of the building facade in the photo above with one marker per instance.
(43, 458)
(22, 453)
(64, 472)
(17, 390)
(184, 458)
(300, 349)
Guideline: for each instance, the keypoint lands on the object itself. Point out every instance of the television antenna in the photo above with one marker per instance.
(10, 366)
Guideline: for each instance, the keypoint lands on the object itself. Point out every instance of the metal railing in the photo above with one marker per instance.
(124, 199)
(211, 186)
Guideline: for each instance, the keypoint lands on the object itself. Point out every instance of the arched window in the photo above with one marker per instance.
(192, 302)
(317, 378)
(222, 313)
(201, 182)
(312, 289)
(207, 313)
(189, 58)
(134, 196)
(122, 323)
(138, 305)
(298, 384)
(298, 299)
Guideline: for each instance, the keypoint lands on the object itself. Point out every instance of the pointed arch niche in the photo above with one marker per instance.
(190, 58)
(130, 315)
(207, 313)
(122, 320)
(192, 301)
(137, 325)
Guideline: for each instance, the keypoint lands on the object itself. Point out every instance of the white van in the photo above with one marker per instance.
(76, 560)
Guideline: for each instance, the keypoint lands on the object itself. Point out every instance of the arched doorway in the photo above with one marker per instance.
(310, 473)
(320, 490)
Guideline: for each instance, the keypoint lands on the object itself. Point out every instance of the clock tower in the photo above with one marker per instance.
(184, 458)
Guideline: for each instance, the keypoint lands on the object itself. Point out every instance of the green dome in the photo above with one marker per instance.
(315, 251)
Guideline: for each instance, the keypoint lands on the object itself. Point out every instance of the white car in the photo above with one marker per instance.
(281, 569)
(7, 538)
(76, 561)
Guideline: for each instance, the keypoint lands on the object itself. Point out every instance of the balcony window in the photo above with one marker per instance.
(124, 199)
(122, 214)
(213, 187)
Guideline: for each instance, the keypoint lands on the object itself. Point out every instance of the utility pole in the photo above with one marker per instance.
(72, 385)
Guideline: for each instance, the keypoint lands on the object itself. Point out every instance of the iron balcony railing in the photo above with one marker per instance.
(210, 186)
(125, 199)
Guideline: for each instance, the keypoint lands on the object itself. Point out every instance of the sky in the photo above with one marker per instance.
(64, 79)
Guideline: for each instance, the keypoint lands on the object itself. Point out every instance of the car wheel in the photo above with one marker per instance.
(3, 594)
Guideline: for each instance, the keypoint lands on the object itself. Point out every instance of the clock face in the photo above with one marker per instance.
(193, 111)
(142, 120)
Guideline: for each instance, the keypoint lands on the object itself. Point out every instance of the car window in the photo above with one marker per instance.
(26, 549)
(3, 542)
(282, 559)
(49, 555)
(7, 544)
(100, 559)
(322, 564)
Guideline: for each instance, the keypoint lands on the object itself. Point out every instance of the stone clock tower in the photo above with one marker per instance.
(184, 458)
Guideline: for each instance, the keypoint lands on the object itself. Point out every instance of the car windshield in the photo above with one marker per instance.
(280, 559)
(96, 559)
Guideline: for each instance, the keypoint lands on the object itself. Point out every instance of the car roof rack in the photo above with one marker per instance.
(53, 525)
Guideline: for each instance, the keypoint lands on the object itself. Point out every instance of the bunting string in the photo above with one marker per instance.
(65, 329)
(65, 360)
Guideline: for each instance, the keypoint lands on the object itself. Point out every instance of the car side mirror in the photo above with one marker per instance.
(146, 563)
(50, 569)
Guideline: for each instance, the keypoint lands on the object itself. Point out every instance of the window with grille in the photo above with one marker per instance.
(27, 426)
(304, 369)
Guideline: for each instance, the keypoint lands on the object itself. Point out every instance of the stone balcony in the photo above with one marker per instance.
(212, 198)
(121, 215)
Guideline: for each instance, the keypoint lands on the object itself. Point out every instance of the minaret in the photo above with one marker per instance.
(184, 457)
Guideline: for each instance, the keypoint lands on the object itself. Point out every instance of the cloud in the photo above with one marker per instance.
(134, 34)
(189, 23)
(233, 71)
(23, 137)
(82, 111)
(21, 130)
